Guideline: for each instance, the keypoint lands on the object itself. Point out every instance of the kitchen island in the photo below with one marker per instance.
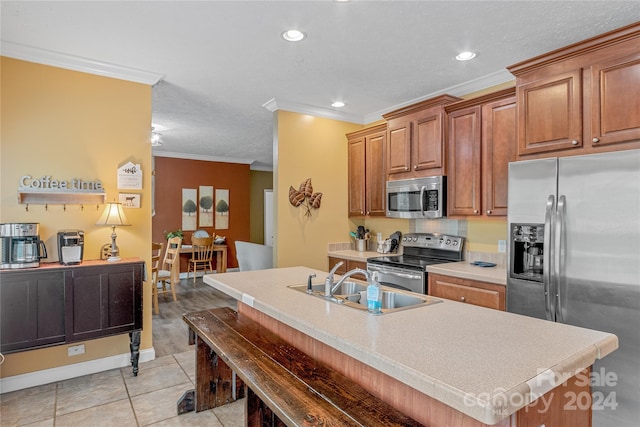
(442, 363)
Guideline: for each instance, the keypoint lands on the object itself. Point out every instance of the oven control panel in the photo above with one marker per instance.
(433, 241)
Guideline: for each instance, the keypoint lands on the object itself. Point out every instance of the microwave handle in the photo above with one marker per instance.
(422, 191)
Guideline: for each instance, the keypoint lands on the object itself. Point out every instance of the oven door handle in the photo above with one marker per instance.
(394, 272)
(422, 191)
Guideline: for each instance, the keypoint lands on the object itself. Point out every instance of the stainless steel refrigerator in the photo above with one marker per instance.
(574, 257)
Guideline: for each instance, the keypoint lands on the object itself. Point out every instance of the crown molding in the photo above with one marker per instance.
(283, 104)
(77, 63)
(190, 156)
(460, 90)
(465, 88)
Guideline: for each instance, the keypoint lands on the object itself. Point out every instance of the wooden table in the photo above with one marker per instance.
(220, 252)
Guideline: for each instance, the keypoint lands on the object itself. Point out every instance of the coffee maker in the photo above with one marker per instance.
(70, 246)
(20, 245)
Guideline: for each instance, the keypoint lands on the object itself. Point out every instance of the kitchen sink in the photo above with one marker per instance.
(354, 295)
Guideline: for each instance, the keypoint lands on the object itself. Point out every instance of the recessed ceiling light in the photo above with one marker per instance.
(337, 104)
(465, 56)
(293, 35)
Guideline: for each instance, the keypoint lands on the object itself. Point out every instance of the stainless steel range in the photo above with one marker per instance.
(408, 271)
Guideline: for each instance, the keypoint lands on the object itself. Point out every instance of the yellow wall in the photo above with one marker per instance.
(67, 124)
(483, 234)
(316, 148)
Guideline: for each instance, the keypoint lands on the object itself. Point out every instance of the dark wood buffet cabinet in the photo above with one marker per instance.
(56, 304)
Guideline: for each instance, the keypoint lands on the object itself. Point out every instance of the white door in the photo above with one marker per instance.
(268, 217)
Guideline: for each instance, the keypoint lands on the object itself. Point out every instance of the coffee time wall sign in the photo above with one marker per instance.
(47, 189)
(47, 183)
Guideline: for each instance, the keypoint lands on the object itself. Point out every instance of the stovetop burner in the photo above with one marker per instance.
(423, 249)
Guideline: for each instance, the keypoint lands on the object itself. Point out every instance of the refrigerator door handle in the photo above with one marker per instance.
(547, 257)
(559, 258)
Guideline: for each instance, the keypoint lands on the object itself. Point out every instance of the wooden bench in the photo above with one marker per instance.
(236, 356)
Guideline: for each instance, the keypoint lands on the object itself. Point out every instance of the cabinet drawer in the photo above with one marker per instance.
(468, 291)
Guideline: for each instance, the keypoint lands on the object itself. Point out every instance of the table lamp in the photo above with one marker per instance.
(113, 216)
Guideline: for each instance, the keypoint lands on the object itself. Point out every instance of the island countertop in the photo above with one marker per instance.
(484, 363)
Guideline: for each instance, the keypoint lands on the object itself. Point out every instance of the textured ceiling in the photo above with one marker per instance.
(223, 60)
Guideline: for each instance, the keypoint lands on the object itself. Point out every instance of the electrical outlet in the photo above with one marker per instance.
(75, 350)
(502, 246)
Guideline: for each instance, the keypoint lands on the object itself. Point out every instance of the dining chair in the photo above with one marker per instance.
(201, 255)
(156, 253)
(252, 256)
(170, 262)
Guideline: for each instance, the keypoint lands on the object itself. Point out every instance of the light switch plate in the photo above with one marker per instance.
(502, 246)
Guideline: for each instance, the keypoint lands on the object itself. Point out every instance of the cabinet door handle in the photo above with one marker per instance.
(488, 211)
(475, 211)
(406, 168)
(415, 167)
(463, 299)
(595, 140)
(574, 142)
(368, 212)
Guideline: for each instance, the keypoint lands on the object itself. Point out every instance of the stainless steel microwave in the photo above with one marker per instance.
(417, 198)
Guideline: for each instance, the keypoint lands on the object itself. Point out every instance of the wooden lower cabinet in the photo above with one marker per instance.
(473, 292)
(64, 304)
(32, 310)
(348, 265)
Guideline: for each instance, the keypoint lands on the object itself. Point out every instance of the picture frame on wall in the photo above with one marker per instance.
(189, 208)
(206, 206)
(222, 209)
(129, 200)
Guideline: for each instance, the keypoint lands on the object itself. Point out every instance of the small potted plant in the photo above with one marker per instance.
(177, 233)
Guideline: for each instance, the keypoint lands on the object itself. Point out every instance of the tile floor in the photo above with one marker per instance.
(116, 398)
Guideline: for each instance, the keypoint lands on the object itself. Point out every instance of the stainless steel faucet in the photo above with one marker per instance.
(330, 287)
(328, 282)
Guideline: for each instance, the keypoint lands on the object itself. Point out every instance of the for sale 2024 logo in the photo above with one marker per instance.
(545, 381)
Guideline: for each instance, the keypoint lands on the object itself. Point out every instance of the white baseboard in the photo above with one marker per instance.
(46, 376)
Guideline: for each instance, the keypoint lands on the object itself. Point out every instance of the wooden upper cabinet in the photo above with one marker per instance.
(464, 184)
(416, 139)
(375, 183)
(399, 147)
(615, 101)
(356, 152)
(367, 179)
(550, 114)
(498, 149)
(480, 142)
(582, 98)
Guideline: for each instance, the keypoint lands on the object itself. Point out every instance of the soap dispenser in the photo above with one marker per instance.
(374, 295)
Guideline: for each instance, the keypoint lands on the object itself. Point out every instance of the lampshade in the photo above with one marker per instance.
(113, 215)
